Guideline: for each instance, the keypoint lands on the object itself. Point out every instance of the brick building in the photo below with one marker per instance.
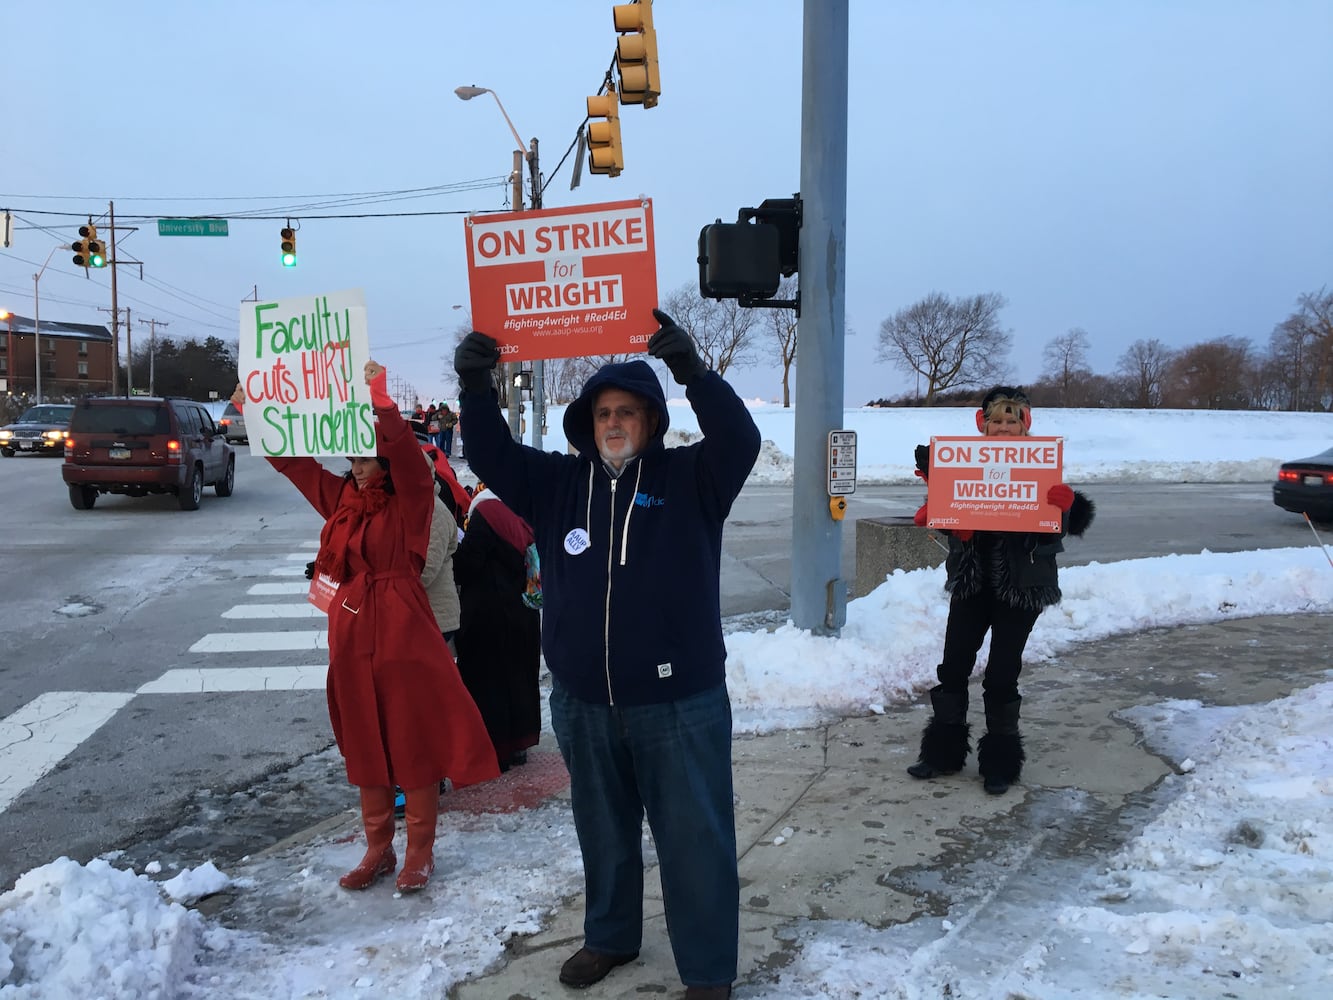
(75, 358)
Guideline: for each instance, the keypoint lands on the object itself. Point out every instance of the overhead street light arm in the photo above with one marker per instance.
(467, 93)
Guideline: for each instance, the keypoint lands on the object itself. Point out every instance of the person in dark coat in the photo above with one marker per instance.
(400, 712)
(448, 421)
(630, 538)
(999, 582)
(499, 637)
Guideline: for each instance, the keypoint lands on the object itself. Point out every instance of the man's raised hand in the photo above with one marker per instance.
(475, 359)
(673, 345)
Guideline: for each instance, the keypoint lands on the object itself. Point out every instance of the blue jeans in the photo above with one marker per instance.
(446, 443)
(671, 761)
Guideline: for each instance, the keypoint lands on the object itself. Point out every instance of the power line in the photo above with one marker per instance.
(443, 188)
(268, 218)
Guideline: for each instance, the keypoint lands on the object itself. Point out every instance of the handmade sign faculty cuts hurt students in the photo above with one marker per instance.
(564, 282)
(994, 483)
(301, 366)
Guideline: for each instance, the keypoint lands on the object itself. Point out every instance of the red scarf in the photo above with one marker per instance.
(354, 506)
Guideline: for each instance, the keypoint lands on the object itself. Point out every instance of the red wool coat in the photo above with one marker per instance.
(400, 712)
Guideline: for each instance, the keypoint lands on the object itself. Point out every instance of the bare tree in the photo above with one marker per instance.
(1301, 347)
(780, 325)
(1144, 368)
(1066, 361)
(565, 377)
(723, 331)
(1213, 375)
(952, 343)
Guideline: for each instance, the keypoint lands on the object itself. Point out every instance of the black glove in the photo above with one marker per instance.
(309, 571)
(475, 359)
(922, 460)
(674, 346)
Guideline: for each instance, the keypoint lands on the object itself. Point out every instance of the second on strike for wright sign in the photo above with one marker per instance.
(564, 282)
(994, 483)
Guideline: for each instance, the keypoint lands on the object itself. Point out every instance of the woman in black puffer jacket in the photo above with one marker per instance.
(999, 581)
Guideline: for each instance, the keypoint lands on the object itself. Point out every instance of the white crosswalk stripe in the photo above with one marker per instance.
(256, 611)
(202, 680)
(261, 642)
(38, 736)
(278, 589)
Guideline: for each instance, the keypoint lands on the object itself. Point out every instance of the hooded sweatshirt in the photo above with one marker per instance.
(630, 563)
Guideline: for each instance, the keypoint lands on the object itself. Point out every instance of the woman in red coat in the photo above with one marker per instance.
(399, 710)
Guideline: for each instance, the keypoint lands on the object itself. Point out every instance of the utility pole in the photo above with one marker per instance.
(514, 395)
(539, 365)
(115, 312)
(403, 393)
(153, 324)
(115, 361)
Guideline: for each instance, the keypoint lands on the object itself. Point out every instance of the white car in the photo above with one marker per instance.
(233, 424)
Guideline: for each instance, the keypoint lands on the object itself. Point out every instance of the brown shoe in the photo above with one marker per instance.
(707, 992)
(585, 967)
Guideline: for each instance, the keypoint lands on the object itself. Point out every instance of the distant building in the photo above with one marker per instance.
(75, 358)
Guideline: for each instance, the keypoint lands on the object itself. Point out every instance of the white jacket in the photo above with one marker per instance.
(438, 575)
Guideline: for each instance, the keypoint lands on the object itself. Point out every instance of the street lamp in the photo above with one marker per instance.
(8, 316)
(37, 318)
(538, 366)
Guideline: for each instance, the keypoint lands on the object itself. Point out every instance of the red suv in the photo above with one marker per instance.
(141, 444)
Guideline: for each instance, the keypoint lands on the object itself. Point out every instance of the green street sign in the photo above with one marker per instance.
(191, 227)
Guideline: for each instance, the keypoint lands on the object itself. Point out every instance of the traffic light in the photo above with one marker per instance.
(636, 54)
(83, 248)
(288, 247)
(605, 155)
(747, 259)
(96, 247)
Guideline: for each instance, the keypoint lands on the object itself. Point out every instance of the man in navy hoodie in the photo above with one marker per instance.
(630, 538)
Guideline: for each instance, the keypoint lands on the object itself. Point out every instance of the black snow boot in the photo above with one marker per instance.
(1000, 753)
(944, 744)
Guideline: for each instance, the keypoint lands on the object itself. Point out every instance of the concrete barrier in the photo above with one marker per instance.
(884, 544)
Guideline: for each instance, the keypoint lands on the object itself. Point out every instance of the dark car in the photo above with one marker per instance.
(41, 429)
(1305, 486)
(139, 445)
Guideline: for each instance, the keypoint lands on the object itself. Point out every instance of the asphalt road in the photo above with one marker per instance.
(99, 604)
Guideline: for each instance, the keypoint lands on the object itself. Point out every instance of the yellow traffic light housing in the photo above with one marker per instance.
(605, 155)
(83, 253)
(636, 54)
(96, 248)
(288, 246)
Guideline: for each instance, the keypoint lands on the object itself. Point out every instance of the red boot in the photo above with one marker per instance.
(421, 811)
(377, 816)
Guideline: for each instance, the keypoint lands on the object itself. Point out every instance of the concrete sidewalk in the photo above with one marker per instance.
(830, 827)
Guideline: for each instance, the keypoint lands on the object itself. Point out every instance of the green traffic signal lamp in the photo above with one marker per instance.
(96, 253)
(288, 247)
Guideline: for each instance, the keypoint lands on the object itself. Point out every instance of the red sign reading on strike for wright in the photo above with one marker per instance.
(994, 483)
(564, 282)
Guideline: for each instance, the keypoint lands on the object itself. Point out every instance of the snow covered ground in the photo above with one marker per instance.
(1231, 880)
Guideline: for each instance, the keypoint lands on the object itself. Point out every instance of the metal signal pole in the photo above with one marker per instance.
(818, 592)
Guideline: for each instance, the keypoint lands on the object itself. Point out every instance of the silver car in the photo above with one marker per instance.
(233, 424)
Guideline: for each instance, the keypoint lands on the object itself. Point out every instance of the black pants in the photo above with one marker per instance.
(969, 618)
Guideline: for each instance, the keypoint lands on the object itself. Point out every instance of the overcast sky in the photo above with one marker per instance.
(1148, 168)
